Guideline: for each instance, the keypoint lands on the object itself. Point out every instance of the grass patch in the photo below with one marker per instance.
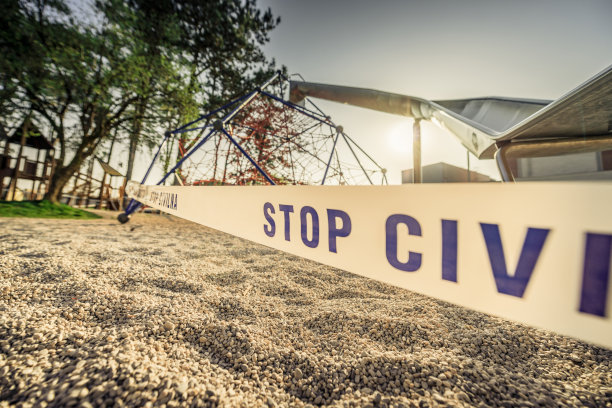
(42, 209)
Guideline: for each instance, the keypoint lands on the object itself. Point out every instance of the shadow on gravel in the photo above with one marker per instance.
(177, 286)
(230, 278)
(34, 255)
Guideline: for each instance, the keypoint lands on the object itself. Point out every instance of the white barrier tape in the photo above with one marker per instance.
(537, 253)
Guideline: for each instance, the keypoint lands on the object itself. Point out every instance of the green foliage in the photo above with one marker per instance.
(131, 68)
(42, 209)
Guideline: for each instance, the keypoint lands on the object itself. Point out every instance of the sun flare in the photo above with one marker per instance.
(399, 137)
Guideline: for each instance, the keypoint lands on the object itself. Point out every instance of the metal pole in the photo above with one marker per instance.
(133, 204)
(253, 162)
(468, 166)
(417, 175)
(249, 98)
(166, 136)
(357, 158)
(330, 158)
(302, 110)
(502, 164)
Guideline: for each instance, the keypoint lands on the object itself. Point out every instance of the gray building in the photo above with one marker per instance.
(446, 173)
(577, 166)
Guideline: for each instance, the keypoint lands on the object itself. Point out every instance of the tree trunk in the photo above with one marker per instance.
(5, 162)
(131, 156)
(108, 157)
(62, 173)
(60, 178)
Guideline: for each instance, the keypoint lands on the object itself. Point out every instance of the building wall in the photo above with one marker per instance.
(445, 173)
(579, 166)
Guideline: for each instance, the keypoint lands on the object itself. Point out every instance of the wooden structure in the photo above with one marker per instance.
(27, 168)
(85, 190)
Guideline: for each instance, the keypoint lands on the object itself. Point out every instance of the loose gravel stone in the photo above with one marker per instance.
(93, 313)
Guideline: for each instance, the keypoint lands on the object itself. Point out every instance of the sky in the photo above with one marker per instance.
(438, 49)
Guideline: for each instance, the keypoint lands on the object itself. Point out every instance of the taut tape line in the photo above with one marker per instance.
(536, 253)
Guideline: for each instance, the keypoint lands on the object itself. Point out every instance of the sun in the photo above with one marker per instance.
(399, 137)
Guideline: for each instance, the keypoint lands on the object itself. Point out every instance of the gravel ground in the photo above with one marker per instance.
(163, 312)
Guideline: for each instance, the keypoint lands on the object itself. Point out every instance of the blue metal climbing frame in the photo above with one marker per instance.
(241, 115)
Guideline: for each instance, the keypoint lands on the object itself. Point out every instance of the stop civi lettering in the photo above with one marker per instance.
(337, 224)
